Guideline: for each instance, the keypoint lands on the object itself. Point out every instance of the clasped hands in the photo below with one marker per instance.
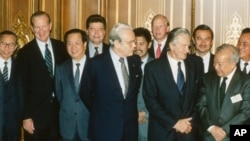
(183, 125)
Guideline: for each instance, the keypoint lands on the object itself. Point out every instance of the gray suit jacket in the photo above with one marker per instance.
(230, 113)
(73, 114)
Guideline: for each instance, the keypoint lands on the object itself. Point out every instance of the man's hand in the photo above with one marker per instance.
(218, 133)
(142, 117)
(28, 125)
(183, 125)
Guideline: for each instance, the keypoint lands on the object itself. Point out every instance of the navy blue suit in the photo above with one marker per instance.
(73, 114)
(164, 102)
(38, 88)
(113, 118)
(12, 106)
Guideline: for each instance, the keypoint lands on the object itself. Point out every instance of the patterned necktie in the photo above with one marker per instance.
(124, 75)
(5, 72)
(96, 51)
(48, 60)
(223, 90)
(180, 78)
(245, 68)
(158, 51)
(77, 76)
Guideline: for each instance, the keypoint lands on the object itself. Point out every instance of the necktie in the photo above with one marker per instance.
(158, 51)
(180, 79)
(77, 76)
(96, 51)
(223, 90)
(5, 72)
(124, 75)
(48, 60)
(245, 68)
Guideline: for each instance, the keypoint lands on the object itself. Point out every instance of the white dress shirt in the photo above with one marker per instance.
(117, 64)
(205, 60)
(92, 49)
(174, 67)
(81, 67)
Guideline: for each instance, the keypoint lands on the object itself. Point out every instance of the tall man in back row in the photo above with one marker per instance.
(37, 60)
(170, 90)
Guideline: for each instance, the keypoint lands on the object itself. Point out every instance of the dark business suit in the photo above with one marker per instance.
(230, 113)
(105, 48)
(1, 105)
(37, 87)
(151, 51)
(112, 117)
(164, 102)
(73, 114)
(211, 63)
(12, 106)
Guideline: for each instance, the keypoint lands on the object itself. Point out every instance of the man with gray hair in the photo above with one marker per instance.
(170, 89)
(225, 95)
(114, 82)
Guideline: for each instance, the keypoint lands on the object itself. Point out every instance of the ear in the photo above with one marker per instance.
(32, 29)
(50, 26)
(149, 45)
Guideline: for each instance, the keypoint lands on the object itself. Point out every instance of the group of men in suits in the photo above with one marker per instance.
(92, 87)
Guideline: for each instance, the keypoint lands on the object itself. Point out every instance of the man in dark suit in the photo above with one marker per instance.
(96, 29)
(203, 40)
(12, 105)
(244, 48)
(115, 81)
(225, 96)
(160, 28)
(37, 60)
(143, 42)
(170, 97)
(73, 114)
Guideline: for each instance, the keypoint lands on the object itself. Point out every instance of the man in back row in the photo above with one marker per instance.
(96, 26)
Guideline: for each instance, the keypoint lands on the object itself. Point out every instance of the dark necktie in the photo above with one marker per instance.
(245, 68)
(96, 51)
(180, 79)
(223, 90)
(48, 60)
(158, 51)
(124, 75)
(5, 72)
(77, 76)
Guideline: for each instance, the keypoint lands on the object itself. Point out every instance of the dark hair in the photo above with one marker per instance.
(245, 30)
(203, 27)
(143, 32)
(7, 32)
(75, 30)
(37, 14)
(94, 19)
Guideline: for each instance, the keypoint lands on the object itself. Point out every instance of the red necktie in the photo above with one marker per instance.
(158, 51)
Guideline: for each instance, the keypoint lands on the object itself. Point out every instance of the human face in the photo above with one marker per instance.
(126, 46)
(244, 46)
(160, 29)
(203, 41)
(142, 46)
(180, 48)
(41, 28)
(7, 46)
(96, 32)
(222, 63)
(75, 47)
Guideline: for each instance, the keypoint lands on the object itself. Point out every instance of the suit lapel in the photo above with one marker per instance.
(69, 72)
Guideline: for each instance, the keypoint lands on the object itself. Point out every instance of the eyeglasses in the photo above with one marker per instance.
(9, 45)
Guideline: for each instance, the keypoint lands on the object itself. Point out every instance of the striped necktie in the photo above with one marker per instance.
(5, 72)
(48, 60)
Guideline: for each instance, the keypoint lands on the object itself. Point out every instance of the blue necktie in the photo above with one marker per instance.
(48, 60)
(77, 76)
(180, 79)
(5, 72)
